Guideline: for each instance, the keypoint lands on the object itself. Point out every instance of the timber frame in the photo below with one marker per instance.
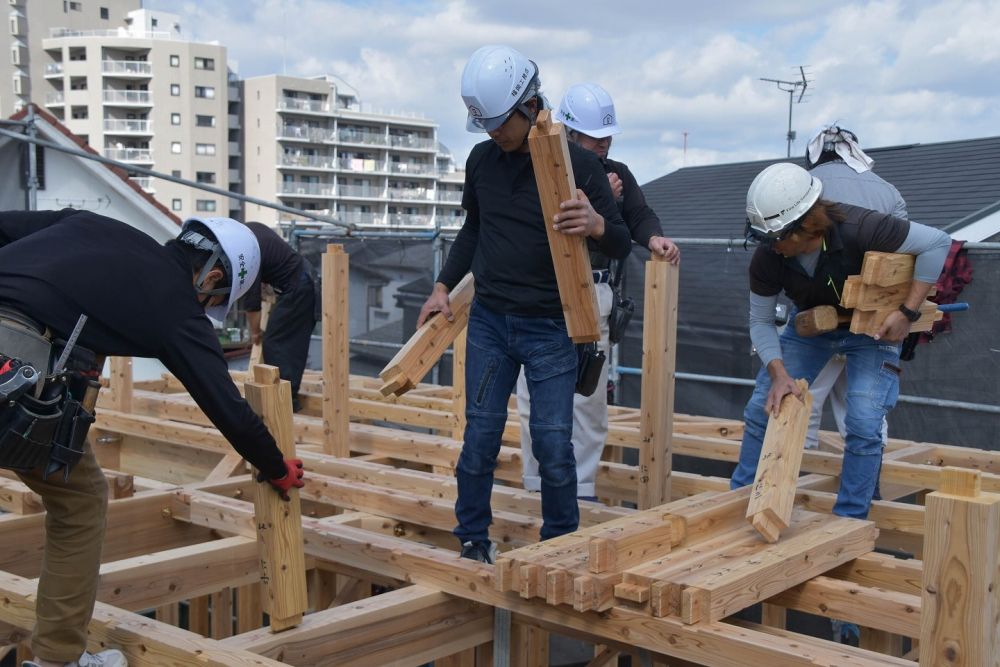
(386, 585)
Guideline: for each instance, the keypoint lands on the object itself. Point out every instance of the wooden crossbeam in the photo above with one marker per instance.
(335, 274)
(885, 269)
(554, 176)
(425, 347)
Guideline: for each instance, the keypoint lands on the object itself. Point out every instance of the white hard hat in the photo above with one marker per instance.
(778, 197)
(495, 82)
(235, 247)
(589, 109)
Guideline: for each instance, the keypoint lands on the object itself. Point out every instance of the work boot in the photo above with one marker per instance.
(108, 658)
(484, 552)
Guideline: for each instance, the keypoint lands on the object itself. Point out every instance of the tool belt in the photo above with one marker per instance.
(43, 421)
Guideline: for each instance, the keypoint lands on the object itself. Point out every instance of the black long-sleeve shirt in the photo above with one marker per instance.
(280, 266)
(140, 301)
(504, 242)
(642, 222)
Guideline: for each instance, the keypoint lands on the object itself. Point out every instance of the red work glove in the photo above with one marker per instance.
(292, 478)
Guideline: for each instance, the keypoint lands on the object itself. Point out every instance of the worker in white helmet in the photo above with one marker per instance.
(516, 318)
(588, 112)
(140, 299)
(808, 247)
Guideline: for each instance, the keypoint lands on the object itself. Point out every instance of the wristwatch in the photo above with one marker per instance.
(912, 315)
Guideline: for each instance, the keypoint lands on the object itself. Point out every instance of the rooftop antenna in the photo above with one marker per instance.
(791, 87)
(685, 161)
(284, 68)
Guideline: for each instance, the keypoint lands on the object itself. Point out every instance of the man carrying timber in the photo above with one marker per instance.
(139, 299)
(516, 318)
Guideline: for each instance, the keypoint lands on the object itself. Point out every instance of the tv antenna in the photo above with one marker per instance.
(791, 87)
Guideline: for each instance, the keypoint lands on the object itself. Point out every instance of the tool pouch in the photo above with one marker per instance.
(621, 313)
(590, 360)
(27, 429)
(69, 439)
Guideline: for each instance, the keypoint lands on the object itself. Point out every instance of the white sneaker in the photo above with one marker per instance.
(108, 658)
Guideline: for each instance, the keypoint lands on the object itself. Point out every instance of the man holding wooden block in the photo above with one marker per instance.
(517, 316)
(808, 247)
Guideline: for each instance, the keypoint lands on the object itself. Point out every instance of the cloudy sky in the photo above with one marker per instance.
(893, 71)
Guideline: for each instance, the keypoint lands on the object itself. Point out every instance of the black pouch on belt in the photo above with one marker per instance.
(589, 362)
(27, 429)
(621, 313)
(70, 436)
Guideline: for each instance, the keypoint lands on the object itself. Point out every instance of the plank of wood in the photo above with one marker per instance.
(554, 176)
(868, 322)
(425, 347)
(120, 394)
(723, 591)
(821, 319)
(279, 523)
(459, 348)
(659, 351)
(267, 299)
(336, 350)
(961, 597)
(886, 268)
(625, 546)
(774, 487)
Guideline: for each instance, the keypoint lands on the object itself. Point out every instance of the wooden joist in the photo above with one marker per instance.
(554, 176)
(425, 347)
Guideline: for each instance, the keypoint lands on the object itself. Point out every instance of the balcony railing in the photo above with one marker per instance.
(128, 126)
(144, 182)
(410, 168)
(135, 67)
(129, 154)
(449, 196)
(365, 165)
(315, 161)
(304, 132)
(411, 141)
(142, 97)
(133, 33)
(365, 191)
(359, 218)
(296, 104)
(54, 99)
(408, 220)
(365, 138)
(53, 69)
(308, 189)
(409, 194)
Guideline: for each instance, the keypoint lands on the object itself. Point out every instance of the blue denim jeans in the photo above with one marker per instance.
(872, 388)
(498, 345)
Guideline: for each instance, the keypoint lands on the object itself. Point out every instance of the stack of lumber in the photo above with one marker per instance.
(695, 558)
(880, 289)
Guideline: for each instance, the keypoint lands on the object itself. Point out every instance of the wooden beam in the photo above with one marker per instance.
(336, 350)
(425, 347)
(458, 383)
(886, 268)
(554, 176)
(659, 350)
(120, 394)
(961, 598)
(279, 526)
(774, 487)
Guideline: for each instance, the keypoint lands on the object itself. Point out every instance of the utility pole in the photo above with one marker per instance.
(791, 87)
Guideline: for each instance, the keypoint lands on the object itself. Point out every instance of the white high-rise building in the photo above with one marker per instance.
(310, 144)
(142, 94)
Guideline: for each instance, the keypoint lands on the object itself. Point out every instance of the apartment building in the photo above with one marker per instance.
(310, 144)
(142, 94)
(29, 22)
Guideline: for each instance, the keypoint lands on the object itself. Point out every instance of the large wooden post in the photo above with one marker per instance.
(960, 611)
(336, 352)
(554, 176)
(458, 384)
(659, 351)
(257, 349)
(120, 384)
(279, 522)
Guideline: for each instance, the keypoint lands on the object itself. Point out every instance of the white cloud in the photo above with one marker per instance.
(894, 71)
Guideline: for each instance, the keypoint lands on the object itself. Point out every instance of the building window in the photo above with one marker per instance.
(375, 296)
(204, 63)
(175, 89)
(175, 147)
(105, 14)
(204, 149)
(79, 113)
(204, 176)
(175, 204)
(75, 6)
(205, 205)
(176, 173)
(204, 121)
(208, 92)
(175, 61)
(175, 119)
(154, 23)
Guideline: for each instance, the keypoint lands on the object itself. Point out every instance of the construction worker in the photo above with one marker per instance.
(834, 156)
(140, 299)
(516, 318)
(588, 112)
(292, 319)
(808, 246)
